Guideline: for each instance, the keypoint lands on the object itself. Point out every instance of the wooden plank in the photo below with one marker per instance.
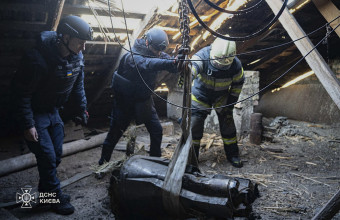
(314, 59)
(102, 42)
(331, 208)
(54, 14)
(110, 30)
(329, 11)
(81, 9)
(75, 178)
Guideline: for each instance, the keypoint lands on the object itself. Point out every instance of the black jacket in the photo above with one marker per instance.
(44, 80)
(148, 69)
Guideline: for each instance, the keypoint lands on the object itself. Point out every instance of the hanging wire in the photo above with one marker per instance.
(224, 106)
(238, 12)
(276, 17)
(240, 54)
(101, 28)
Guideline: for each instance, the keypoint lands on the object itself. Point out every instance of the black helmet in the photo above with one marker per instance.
(157, 38)
(75, 27)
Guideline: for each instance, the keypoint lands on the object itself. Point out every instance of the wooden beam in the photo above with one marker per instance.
(330, 209)
(81, 9)
(110, 30)
(102, 42)
(54, 14)
(329, 11)
(142, 27)
(270, 57)
(314, 59)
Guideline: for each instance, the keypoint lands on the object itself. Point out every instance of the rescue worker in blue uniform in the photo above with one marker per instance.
(48, 75)
(217, 82)
(133, 100)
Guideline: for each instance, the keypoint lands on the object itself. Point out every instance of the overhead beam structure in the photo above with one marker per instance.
(144, 25)
(54, 15)
(314, 59)
(329, 11)
(82, 9)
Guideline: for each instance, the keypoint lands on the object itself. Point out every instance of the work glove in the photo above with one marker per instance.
(82, 118)
(179, 60)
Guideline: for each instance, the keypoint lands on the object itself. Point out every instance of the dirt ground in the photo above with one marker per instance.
(297, 167)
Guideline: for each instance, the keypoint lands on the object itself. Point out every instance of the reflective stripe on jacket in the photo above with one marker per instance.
(211, 82)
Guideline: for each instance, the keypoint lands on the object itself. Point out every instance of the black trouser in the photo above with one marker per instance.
(121, 116)
(227, 129)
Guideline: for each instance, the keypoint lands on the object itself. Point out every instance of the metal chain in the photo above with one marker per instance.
(183, 11)
(184, 28)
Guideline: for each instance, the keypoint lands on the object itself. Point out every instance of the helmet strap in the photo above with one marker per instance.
(66, 45)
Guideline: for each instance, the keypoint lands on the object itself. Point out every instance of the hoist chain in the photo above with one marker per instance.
(183, 11)
(184, 28)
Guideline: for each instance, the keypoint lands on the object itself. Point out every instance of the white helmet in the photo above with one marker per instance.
(225, 50)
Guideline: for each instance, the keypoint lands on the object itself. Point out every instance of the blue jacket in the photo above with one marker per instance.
(210, 84)
(148, 68)
(44, 80)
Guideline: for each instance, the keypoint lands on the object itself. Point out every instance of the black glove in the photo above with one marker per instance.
(179, 59)
(82, 118)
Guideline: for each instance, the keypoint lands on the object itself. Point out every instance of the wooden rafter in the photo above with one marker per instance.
(54, 15)
(329, 11)
(314, 59)
(82, 9)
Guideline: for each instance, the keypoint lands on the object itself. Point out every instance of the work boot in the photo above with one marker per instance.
(106, 154)
(232, 153)
(64, 207)
(197, 150)
(235, 161)
(66, 197)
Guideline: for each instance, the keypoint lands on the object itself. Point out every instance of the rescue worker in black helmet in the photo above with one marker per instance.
(133, 100)
(217, 82)
(48, 75)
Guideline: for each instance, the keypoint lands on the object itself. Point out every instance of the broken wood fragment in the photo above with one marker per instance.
(289, 165)
(102, 170)
(283, 158)
(330, 209)
(273, 149)
(211, 141)
(286, 209)
(310, 163)
(310, 179)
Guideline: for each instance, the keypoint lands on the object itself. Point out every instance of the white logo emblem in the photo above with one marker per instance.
(26, 197)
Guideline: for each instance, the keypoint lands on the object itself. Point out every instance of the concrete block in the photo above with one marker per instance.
(168, 128)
